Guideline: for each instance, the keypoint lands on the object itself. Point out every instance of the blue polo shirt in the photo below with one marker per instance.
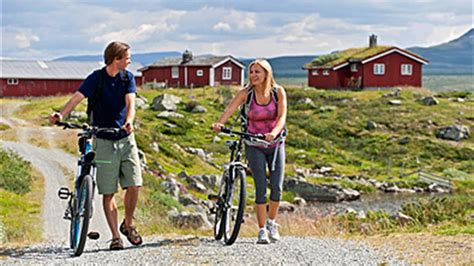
(111, 110)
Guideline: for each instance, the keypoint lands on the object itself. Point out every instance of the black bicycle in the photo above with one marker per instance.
(230, 199)
(79, 209)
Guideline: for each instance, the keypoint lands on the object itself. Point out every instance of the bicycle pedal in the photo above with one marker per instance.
(212, 210)
(93, 235)
(64, 193)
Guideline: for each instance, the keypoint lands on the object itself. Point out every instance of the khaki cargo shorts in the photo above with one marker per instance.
(117, 161)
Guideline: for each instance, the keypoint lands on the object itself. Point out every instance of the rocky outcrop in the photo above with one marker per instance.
(316, 192)
(453, 132)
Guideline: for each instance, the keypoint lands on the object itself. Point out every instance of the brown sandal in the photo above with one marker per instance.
(116, 244)
(131, 233)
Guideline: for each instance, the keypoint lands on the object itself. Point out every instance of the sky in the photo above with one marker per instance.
(47, 29)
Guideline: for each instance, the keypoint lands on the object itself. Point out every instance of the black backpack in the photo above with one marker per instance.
(94, 101)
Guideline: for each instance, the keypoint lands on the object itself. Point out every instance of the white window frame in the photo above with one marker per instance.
(379, 69)
(226, 73)
(199, 73)
(407, 69)
(12, 81)
(353, 67)
(326, 72)
(174, 72)
(315, 72)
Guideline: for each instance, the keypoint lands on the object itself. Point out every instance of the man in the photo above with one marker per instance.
(112, 90)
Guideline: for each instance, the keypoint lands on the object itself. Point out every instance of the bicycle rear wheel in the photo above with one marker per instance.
(236, 204)
(81, 216)
(219, 218)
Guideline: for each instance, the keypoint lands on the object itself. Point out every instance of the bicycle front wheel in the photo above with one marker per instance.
(81, 215)
(234, 213)
(219, 218)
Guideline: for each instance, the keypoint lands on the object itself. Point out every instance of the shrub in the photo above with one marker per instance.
(14, 173)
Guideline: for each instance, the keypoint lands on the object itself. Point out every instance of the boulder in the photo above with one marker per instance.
(403, 219)
(166, 114)
(317, 192)
(453, 132)
(371, 125)
(165, 102)
(171, 186)
(298, 201)
(141, 102)
(285, 206)
(429, 100)
(189, 220)
(199, 109)
(395, 102)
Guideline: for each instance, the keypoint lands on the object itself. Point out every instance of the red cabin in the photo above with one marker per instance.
(189, 71)
(19, 78)
(373, 66)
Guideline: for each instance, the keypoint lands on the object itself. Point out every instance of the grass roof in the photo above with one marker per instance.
(337, 58)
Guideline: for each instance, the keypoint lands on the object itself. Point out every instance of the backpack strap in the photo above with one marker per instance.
(93, 101)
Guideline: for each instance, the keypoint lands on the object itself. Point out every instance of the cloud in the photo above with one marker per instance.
(17, 38)
(222, 26)
(142, 33)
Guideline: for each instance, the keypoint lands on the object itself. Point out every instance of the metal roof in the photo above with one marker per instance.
(202, 60)
(32, 69)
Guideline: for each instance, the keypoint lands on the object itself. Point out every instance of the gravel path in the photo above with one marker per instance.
(155, 250)
(53, 163)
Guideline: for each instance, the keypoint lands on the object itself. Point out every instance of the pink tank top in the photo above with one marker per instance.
(262, 118)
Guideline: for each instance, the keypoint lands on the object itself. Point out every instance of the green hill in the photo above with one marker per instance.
(331, 132)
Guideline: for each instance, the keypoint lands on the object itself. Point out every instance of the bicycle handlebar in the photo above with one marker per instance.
(245, 135)
(88, 128)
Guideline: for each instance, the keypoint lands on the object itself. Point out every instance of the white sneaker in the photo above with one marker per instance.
(272, 229)
(263, 237)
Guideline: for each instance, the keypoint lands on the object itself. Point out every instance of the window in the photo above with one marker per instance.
(353, 67)
(12, 81)
(406, 69)
(325, 72)
(175, 72)
(199, 73)
(379, 69)
(226, 73)
(315, 73)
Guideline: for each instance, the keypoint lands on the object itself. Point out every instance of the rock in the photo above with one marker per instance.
(166, 102)
(395, 102)
(361, 215)
(216, 139)
(404, 140)
(155, 146)
(197, 151)
(141, 103)
(77, 115)
(196, 185)
(300, 202)
(306, 101)
(171, 186)
(406, 190)
(285, 206)
(325, 170)
(371, 125)
(453, 132)
(317, 192)
(436, 188)
(199, 109)
(327, 108)
(189, 220)
(460, 100)
(403, 219)
(429, 100)
(166, 114)
(187, 200)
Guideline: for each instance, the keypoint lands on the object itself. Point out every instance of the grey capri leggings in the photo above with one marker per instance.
(259, 159)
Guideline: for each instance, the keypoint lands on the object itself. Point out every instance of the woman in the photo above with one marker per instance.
(267, 116)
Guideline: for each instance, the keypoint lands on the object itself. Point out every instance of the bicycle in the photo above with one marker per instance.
(230, 200)
(79, 209)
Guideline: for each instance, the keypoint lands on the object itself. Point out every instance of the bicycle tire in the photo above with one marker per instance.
(82, 214)
(233, 218)
(219, 216)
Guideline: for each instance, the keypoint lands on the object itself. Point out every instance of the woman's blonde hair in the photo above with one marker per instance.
(269, 80)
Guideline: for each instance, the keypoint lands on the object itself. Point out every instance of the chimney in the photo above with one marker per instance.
(372, 40)
(187, 57)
